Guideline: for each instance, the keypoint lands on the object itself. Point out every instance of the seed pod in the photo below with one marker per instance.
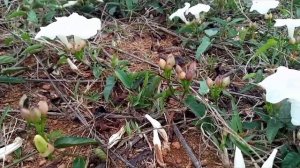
(162, 63)
(44, 148)
(43, 107)
(26, 114)
(170, 62)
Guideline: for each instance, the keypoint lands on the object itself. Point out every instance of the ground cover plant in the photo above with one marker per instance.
(128, 83)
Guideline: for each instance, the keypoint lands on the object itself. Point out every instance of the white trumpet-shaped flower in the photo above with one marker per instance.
(270, 161)
(197, 9)
(8, 149)
(284, 84)
(74, 25)
(239, 161)
(263, 6)
(181, 13)
(291, 24)
(115, 138)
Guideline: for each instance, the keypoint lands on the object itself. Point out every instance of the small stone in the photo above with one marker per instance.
(176, 145)
(178, 160)
(62, 166)
(46, 86)
(42, 162)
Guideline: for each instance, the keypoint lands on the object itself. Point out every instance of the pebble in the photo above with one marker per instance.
(42, 162)
(176, 145)
(46, 86)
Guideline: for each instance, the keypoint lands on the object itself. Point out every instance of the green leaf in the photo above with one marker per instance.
(5, 59)
(205, 43)
(4, 114)
(64, 142)
(124, 78)
(236, 122)
(197, 108)
(273, 127)
(100, 153)
(211, 32)
(97, 71)
(11, 70)
(79, 162)
(32, 17)
(11, 80)
(17, 13)
(110, 83)
(263, 49)
(32, 49)
(298, 12)
(291, 160)
(203, 88)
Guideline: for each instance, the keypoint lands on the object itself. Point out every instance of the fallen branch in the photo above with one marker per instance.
(187, 148)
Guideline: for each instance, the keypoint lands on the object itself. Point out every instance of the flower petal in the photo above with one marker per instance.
(269, 162)
(180, 13)
(239, 161)
(197, 9)
(8, 149)
(263, 6)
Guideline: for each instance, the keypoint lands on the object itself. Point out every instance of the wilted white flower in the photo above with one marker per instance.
(284, 84)
(291, 24)
(157, 149)
(197, 9)
(263, 6)
(8, 149)
(239, 161)
(180, 13)
(115, 138)
(162, 132)
(74, 25)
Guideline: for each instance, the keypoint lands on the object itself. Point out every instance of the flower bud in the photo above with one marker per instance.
(226, 81)
(162, 63)
(210, 83)
(44, 148)
(181, 75)
(178, 69)
(292, 40)
(170, 62)
(218, 81)
(35, 115)
(26, 114)
(43, 107)
(253, 25)
(191, 73)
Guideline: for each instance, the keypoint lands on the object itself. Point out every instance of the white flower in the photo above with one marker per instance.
(291, 24)
(239, 161)
(8, 149)
(284, 84)
(74, 25)
(270, 161)
(263, 6)
(69, 3)
(197, 9)
(115, 138)
(162, 132)
(180, 13)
